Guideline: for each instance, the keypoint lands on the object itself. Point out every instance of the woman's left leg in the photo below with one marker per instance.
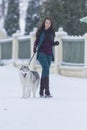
(47, 91)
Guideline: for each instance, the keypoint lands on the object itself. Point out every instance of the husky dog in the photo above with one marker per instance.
(29, 80)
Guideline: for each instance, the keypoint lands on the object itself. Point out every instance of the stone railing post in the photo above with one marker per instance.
(0, 51)
(85, 50)
(32, 40)
(15, 46)
(3, 35)
(58, 49)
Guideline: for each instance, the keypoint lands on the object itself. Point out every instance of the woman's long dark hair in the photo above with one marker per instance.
(42, 27)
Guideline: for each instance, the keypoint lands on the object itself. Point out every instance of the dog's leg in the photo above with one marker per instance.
(34, 88)
(33, 94)
(28, 91)
(24, 92)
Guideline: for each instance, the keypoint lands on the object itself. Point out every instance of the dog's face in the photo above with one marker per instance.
(24, 71)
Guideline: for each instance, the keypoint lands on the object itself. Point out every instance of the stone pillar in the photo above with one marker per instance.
(15, 46)
(3, 35)
(32, 40)
(0, 51)
(58, 49)
(85, 49)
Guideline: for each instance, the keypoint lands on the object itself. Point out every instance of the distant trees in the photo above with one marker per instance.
(32, 15)
(11, 23)
(66, 13)
(3, 8)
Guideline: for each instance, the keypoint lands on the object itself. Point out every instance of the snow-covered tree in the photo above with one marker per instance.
(54, 9)
(72, 14)
(32, 15)
(67, 13)
(3, 9)
(12, 18)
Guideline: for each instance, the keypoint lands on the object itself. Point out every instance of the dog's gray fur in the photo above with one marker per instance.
(29, 80)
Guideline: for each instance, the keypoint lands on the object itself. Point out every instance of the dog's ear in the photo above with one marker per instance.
(21, 67)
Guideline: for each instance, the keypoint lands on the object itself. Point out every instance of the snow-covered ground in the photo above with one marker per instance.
(67, 110)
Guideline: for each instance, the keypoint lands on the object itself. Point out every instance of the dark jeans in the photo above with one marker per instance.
(45, 61)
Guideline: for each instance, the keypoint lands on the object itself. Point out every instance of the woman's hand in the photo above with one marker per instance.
(56, 43)
(34, 50)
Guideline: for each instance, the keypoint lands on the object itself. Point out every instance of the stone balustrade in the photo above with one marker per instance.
(58, 66)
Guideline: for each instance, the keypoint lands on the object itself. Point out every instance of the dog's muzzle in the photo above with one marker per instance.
(24, 75)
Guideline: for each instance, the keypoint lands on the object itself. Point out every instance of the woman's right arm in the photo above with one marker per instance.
(38, 42)
(35, 44)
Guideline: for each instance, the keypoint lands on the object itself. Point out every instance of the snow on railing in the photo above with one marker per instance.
(68, 37)
(7, 40)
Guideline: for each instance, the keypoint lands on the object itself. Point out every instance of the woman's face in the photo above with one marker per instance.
(47, 24)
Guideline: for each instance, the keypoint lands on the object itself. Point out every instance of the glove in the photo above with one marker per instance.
(34, 50)
(56, 43)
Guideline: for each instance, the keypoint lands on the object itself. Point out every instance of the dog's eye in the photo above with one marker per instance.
(21, 68)
(25, 67)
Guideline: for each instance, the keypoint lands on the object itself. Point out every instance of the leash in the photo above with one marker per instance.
(31, 59)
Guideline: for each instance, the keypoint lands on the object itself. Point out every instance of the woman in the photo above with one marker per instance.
(43, 46)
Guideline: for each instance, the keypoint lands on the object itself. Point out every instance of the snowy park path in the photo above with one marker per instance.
(67, 110)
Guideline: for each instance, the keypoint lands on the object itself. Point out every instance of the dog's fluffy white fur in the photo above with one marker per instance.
(29, 80)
